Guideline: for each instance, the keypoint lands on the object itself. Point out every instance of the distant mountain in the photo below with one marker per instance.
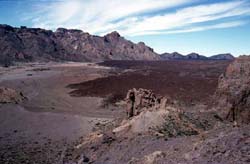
(35, 44)
(194, 56)
(226, 56)
(172, 56)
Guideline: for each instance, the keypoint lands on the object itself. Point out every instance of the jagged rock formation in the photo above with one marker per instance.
(195, 56)
(8, 95)
(35, 44)
(142, 98)
(234, 91)
(154, 116)
(150, 111)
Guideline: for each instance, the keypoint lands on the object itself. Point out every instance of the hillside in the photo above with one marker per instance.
(35, 44)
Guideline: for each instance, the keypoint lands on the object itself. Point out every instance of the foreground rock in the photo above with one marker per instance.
(234, 91)
(152, 116)
(157, 114)
(8, 95)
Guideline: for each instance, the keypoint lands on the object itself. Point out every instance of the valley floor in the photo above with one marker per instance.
(39, 128)
(67, 101)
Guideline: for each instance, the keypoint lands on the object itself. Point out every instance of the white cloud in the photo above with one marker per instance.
(197, 28)
(131, 17)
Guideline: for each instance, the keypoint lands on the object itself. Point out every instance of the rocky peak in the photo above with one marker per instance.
(61, 30)
(113, 35)
(172, 56)
(141, 44)
(194, 55)
(226, 56)
(176, 54)
(6, 27)
(67, 44)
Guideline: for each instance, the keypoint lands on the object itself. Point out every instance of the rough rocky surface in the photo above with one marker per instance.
(54, 127)
(234, 91)
(157, 113)
(142, 98)
(8, 95)
(190, 82)
(35, 44)
(153, 118)
(220, 143)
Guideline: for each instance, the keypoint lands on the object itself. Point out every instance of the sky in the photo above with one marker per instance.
(207, 27)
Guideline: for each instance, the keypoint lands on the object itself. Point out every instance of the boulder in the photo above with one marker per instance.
(8, 95)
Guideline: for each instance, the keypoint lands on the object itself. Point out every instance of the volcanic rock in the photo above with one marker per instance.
(35, 44)
(234, 91)
(151, 112)
(8, 95)
(143, 98)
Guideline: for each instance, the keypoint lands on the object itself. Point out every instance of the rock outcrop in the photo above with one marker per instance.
(35, 44)
(8, 95)
(233, 91)
(139, 99)
(152, 112)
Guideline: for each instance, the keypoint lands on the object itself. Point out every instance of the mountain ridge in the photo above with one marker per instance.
(195, 56)
(35, 44)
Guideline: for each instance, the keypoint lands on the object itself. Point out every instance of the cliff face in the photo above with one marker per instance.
(35, 44)
(234, 91)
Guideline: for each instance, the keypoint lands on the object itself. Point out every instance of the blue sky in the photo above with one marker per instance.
(205, 26)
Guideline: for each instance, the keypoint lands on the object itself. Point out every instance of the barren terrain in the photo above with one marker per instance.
(186, 81)
(65, 102)
(39, 128)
